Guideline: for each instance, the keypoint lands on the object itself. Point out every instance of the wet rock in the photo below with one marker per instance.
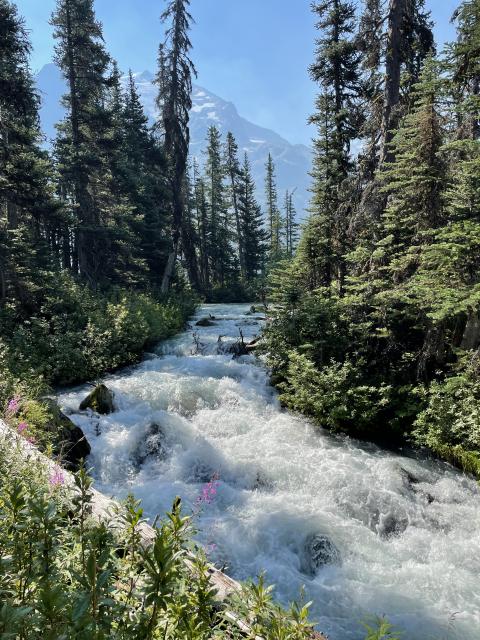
(199, 473)
(99, 400)
(70, 443)
(391, 525)
(318, 551)
(205, 322)
(152, 447)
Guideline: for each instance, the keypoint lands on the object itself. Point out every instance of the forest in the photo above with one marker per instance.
(112, 237)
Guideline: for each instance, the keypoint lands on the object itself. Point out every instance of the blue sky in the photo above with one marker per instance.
(254, 53)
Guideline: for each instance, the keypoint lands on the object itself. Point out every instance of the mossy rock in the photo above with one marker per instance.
(99, 400)
(69, 441)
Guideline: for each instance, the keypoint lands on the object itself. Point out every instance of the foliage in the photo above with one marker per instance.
(377, 323)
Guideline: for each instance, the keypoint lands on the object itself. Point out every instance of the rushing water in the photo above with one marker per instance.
(366, 531)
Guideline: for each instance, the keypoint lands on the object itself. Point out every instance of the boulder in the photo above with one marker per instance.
(70, 443)
(205, 322)
(318, 551)
(153, 446)
(99, 400)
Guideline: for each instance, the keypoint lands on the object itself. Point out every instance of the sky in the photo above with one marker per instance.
(254, 53)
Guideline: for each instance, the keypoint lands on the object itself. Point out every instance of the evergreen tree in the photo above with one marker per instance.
(273, 212)
(413, 180)
(220, 234)
(252, 225)
(336, 69)
(463, 62)
(29, 217)
(174, 101)
(203, 225)
(234, 177)
(291, 225)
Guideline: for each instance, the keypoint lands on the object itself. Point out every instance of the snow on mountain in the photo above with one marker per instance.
(292, 161)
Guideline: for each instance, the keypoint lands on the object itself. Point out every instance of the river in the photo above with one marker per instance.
(364, 531)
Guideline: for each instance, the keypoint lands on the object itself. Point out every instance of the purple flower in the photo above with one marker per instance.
(13, 405)
(209, 491)
(57, 479)
(23, 426)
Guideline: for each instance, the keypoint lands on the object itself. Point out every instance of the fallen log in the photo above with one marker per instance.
(103, 507)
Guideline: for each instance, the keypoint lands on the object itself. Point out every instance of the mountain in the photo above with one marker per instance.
(292, 161)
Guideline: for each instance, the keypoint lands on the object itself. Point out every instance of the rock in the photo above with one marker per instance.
(205, 322)
(70, 445)
(153, 446)
(100, 400)
(318, 551)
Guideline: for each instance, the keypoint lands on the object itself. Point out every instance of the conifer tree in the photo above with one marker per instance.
(83, 147)
(234, 177)
(220, 234)
(273, 212)
(413, 180)
(29, 217)
(203, 226)
(252, 225)
(291, 225)
(174, 101)
(336, 69)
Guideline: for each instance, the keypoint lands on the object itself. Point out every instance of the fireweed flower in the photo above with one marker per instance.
(22, 427)
(57, 479)
(209, 491)
(13, 405)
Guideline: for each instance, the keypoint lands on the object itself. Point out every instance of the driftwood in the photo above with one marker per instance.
(103, 507)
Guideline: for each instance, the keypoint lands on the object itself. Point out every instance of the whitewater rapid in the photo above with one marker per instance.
(403, 535)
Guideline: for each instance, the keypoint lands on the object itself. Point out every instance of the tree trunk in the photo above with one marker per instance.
(393, 62)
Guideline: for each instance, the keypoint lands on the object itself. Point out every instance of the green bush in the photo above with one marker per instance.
(76, 335)
(333, 395)
(450, 423)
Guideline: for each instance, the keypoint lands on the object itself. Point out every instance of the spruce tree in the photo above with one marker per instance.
(291, 225)
(220, 233)
(29, 216)
(234, 177)
(174, 101)
(252, 226)
(273, 212)
(413, 181)
(83, 145)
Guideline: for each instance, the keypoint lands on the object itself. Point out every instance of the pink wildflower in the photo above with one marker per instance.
(13, 405)
(209, 491)
(23, 426)
(31, 440)
(57, 479)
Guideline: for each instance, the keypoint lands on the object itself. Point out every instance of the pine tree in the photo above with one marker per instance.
(83, 143)
(174, 80)
(463, 62)
(413, 181)
(234, 176)
(143, 179)
(252, 226)
(409, 41)
(291, 225)
(220, 234)
(29, 216)
(203, 225)
(273, 212)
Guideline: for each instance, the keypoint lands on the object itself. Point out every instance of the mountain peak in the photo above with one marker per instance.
(292, 161)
